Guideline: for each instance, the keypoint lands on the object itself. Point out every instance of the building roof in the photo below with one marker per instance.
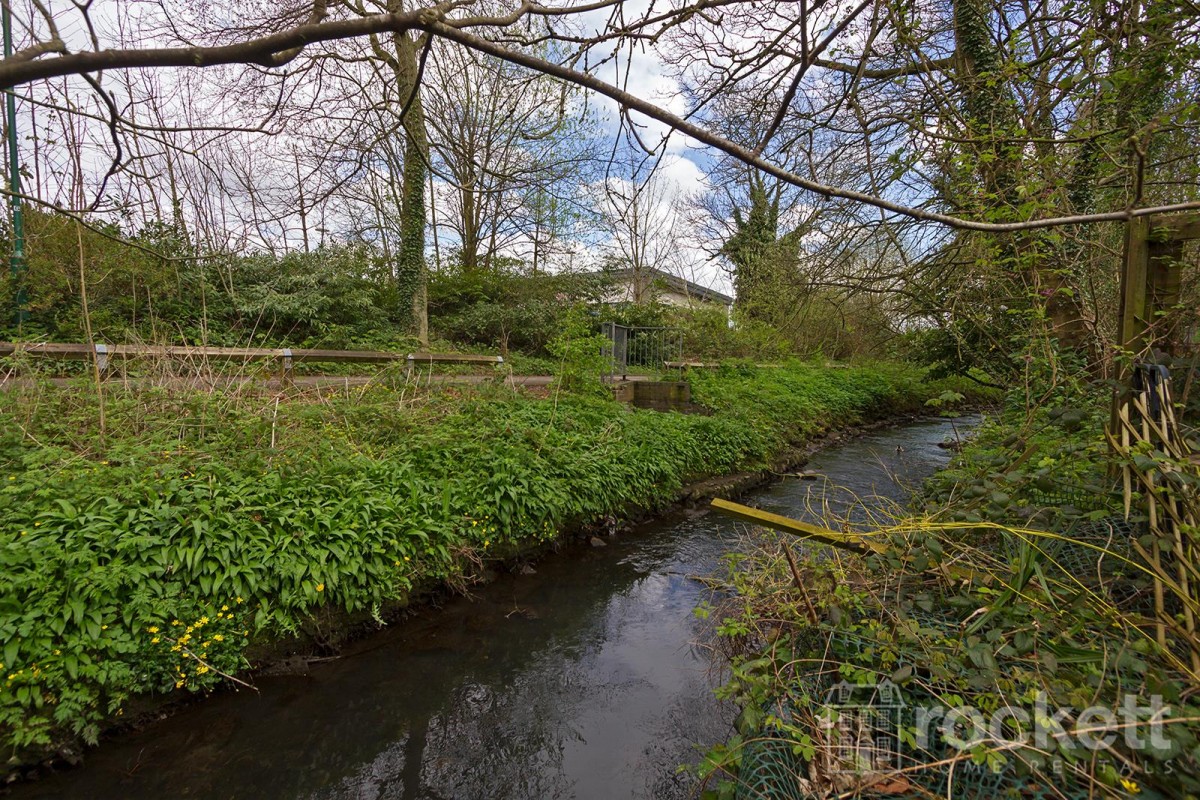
(674, 283)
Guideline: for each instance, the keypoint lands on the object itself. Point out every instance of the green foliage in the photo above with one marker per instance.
(1025, 635)
(801, 400)
(579, 350)
(967, 346)
(504, 308)
(1033, 616)
(161, 290)
(1044, 464)
(647, 315)
(187, 522)
(763, 260)
(708, 335)
(330, 295)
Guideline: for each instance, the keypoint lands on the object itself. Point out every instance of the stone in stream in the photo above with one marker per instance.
(598, 542)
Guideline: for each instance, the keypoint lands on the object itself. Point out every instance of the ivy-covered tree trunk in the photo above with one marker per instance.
(753, 251)
(1002, 185)
(410, 271)
(987, 113)
(410, 263)
(410, 266)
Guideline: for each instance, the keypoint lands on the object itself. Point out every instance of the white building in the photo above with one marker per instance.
(648, 285)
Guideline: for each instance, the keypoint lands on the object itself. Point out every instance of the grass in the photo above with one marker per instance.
(151, 556)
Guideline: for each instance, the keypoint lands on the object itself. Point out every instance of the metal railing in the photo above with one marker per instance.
(104, 354)
(640, 348)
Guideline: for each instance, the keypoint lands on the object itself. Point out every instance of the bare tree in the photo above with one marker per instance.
(642, 216)
(755, 45)
(510, 146)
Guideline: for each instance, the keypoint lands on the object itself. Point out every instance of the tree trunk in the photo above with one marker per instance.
(410, 258)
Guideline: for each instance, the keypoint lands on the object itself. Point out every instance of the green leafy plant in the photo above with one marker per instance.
(226, 515)
(579, 351)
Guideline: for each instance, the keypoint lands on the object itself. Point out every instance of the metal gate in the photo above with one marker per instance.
(616, 347)
(633, 348)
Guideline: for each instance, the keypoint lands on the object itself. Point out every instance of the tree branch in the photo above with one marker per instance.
(747, 156)
(263, 51)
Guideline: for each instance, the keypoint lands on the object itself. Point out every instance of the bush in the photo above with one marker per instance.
(162, 290)
(579, 353)
(505, 308)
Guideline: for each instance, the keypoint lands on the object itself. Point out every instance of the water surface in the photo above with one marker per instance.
(586, 679)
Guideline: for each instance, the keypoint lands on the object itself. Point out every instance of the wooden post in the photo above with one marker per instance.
(1132, 325)
(1164, 280)
(285, 368)
(1151, 280)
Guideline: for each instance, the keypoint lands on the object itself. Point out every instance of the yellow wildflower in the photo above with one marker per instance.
(239, 600)
(320, 587)
(1131, 786)
(200, 670)
(155, 640)
(218, 638)
(152, 629)
(224, 608)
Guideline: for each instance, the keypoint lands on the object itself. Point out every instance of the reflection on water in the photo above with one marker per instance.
(582, 680)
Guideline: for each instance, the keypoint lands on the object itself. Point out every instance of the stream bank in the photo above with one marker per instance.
(219, 524)
(583, 679)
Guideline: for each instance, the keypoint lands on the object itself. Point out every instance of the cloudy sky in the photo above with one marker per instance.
(225, 180)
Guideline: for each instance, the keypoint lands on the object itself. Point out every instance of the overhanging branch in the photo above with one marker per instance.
(262, 51)
(747, 156)
(268, 50)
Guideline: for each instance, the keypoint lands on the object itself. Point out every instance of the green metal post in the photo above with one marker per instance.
(17, 260)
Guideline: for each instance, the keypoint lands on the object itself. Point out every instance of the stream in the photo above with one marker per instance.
(586, 679)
